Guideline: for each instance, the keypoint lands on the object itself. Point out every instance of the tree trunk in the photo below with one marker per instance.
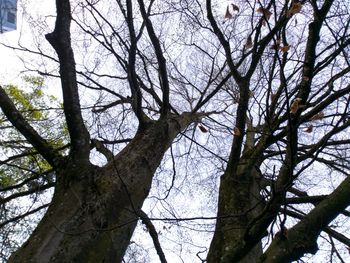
(94, 211)
(239, 203)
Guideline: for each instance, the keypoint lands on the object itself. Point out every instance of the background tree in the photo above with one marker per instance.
(269, 77)
(303, 93)
(24, 173)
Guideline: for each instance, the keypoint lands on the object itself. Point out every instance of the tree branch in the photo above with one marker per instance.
(60, 40)
(102, 149)
(14, 219)
(132, 76)
(160, 58)
(154, 235)
(17, 120)
(340, 237)
(302, 237)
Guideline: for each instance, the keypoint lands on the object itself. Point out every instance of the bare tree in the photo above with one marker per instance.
(294, 91)
(139, 77)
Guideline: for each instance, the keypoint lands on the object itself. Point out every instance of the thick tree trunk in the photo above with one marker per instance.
(239, 203)
(95, 210)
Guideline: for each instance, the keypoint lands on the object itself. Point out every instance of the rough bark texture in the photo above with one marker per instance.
(95, 210)
(239, 203)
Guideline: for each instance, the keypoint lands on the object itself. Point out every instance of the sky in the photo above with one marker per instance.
(9, 67)
(11, 64)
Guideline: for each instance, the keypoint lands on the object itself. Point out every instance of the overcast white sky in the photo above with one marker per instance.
(11, 64)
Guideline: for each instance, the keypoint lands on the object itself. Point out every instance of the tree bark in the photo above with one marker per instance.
(94, 210)
(239, 204)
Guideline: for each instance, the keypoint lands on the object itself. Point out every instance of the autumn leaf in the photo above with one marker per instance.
(265, 12)
(235, 8)
(249, 42)
(236, 131)
(318, 116)
(296, 8)
(202, 128)
(285, 48)
(295, 105)
(228, 14)
(274, 47)
(260, 10)
(276, 44)
(309, 129)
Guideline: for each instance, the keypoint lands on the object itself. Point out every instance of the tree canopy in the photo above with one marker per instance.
(217, 130)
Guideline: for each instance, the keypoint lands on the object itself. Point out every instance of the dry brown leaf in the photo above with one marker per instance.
(274, 47)
(228, 14)
(260, 10)
(285, 48)
(235, 8)
(236, 131)
(265, 12)
(202, 128)
(249, 42)
(318, 116)
(295, 105)
(309, 129)
(276, 44)
(296, 8)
